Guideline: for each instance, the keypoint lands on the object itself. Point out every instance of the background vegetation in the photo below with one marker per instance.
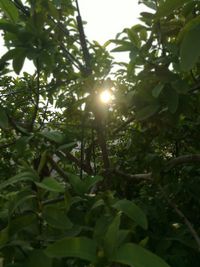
(90, 184)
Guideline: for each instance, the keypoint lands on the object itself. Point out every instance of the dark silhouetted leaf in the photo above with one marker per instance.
(147, 111)
(38, 258)
(157, 90)
(189, 50)
(172, 99)
(18, 60)
(3, 119)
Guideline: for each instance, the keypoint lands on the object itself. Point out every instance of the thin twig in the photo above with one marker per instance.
(86, 54)
(53, 201)
(37, 93)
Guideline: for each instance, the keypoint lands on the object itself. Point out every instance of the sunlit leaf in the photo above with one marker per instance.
(10, 9)
(167, 7)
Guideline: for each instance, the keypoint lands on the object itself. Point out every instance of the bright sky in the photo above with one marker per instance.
(105, 18)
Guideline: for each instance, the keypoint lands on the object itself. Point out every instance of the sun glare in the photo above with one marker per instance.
(105, 96)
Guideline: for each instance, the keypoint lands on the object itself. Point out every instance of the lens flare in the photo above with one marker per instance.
(105, 96)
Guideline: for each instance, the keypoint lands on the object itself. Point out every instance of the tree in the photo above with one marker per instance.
(89, 184)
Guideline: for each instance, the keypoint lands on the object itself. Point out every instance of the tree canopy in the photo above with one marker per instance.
(86, 183)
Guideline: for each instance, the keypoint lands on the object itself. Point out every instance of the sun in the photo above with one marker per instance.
(105, 96)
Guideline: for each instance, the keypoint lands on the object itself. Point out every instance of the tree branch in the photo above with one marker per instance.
(139, 176)
(72, 158)
(182, 216)
(193, 158)
(37, 94)
(86, 54)
(101, 138)
(123, 125)
(57, 168)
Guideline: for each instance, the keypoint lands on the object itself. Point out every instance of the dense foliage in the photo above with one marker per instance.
(90, 184)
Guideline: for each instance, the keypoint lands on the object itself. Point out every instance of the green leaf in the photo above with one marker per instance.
(136, 256)
(10, 9)
(157, 90)
(111, 236)
(148, 4)
(77, 184)
(101, 226)
(54, 136)
(122, 236)
(147, 111)
(132, 211)
(82, 186)
(19, 199)
(43, 161)
(57, 218)
(22, 222)
(172, 99)
(50, 184)
(133, 37)
(3, 119)
(38, 258)
(90, 181)
(67, 146)
(189, 25)
(8, 27)
(24, 176)
(167, 7)
(77, 247)
(123, 46)
(18, 55)
(18, 60)
(189, 49)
